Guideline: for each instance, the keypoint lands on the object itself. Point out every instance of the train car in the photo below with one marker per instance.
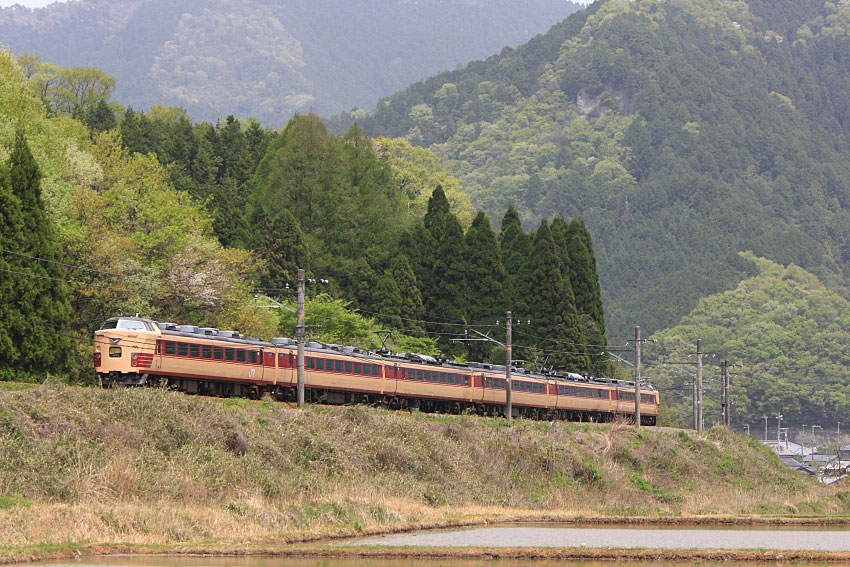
(137, 351)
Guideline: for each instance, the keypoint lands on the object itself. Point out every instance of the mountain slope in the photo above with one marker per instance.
(789, 333)
(682, 131)
(269, 59)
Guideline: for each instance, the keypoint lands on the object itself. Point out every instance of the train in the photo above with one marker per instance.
(135, 351)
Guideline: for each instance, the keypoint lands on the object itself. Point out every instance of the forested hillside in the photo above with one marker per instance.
(107, 213)
(269, 59)
(787, 334)
(682, 132)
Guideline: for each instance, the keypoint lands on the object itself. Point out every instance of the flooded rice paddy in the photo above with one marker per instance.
(721, 537)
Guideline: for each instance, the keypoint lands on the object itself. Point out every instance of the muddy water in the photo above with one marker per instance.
(817, 539)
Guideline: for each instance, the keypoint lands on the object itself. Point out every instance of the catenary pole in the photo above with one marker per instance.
(300, 338)
(508, 385)
(699, 385)
(637, 376)
(724, 393)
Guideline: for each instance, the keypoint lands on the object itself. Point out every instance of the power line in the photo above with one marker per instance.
(447, 322)
(529, 335)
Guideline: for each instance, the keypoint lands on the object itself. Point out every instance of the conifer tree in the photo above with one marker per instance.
(559, 230)
(34, 301)
(443, 286)
(515, 248)
(388, 301)
(411, 298)
(588, 292)
(583, 274)
(438, 205)
(552, 307)
(281, 243)
(484, 278)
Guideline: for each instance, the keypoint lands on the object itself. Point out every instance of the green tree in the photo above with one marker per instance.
(443, 287)
(484, 277)
(515, 247)
(280, 242)
(554, 321)
(34, 299)
(588, 292)
(411, 298)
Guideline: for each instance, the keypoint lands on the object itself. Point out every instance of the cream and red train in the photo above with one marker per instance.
(137, 351)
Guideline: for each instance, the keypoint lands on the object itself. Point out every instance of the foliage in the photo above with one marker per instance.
(787, 331)
(133, 243)
(484, 276)
(34, 299)
(78, 91)
(417, 172)
(337, 323)
(278, 61)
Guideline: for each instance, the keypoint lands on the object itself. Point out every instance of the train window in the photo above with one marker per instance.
(376, 370)
(218, 353)
(240, 355)
(195, 350)
(418, 374)
(427, 375)
(252, 357)
(357, 368)
(348, 367)
(206, 351)
(488, 383)
(182, 349)
(319, 363)
(338, 365)
(228, 354)
(466, 380)
(170, 348)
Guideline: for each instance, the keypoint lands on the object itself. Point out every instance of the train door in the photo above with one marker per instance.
(157, 359)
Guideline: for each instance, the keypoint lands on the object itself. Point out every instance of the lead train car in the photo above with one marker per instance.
(137, 351)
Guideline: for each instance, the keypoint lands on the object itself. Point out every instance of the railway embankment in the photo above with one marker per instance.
(149, 467)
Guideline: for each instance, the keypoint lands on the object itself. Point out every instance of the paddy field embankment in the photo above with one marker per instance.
(157, 470)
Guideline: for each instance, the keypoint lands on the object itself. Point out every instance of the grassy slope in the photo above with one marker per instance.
(149, 466)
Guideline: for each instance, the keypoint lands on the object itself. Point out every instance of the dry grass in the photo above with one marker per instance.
(148, 466)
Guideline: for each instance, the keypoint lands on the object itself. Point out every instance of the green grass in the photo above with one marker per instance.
(16, 386)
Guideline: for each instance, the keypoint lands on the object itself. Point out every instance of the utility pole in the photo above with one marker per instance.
(803, 442)
(508, 385)
(778, 429)
(637, 376)
(699, 386)
(765, 428)
(747, 427)
(300, 337)
(722, 392)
